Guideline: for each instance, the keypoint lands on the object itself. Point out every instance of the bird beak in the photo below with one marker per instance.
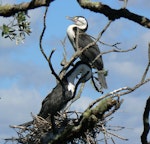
(70, 18)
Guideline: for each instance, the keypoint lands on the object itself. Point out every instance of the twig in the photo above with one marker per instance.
(52, 69)
(117, 136)
(101, 33)
(42, 34)
(76, 97)
(48, 59)
(64, 61)
(148, 65)
(110, 45)
(119, 92)
(65, 52)
(79, 93)
(114, 50)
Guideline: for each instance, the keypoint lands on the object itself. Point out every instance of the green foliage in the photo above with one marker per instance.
(17, 29)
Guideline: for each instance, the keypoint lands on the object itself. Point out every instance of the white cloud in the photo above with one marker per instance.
(3, 2)
(131, 118)
(139, 3)
(24, 73)
(126, 69)
(145, 38)
(15, 107)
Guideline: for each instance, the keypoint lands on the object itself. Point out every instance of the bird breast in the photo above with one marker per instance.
(70, 31)
(71, 87)
(56, 100)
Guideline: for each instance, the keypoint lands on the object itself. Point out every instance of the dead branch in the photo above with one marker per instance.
(148, 65)
(146, 124)
(114, 14)
(48, 59)
(64, 61)
(120, 92)
(115, 50)
(42, 34)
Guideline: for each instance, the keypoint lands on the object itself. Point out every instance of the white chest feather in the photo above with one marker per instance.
(71, 87)
(70, 32)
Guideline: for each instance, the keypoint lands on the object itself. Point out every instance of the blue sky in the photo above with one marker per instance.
(25, 78)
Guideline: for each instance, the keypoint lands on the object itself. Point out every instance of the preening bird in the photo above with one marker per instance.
(64, 91)
(79, 40)
(61, 95)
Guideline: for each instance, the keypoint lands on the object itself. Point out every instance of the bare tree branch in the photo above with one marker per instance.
(9, 10)
(48, 59)
(146, 123)
(114, 14)
(120, 92)
(148, 65)
(115, 50)
(42, 34)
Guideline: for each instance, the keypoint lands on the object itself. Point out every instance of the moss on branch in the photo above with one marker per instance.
(87, 122)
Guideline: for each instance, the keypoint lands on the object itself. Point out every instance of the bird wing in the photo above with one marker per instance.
(91, 53)
(55, 101)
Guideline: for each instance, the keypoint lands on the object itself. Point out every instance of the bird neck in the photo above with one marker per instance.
(85, 73)
(72, 77)
(71, 85)
(71, 32)
(72, 28)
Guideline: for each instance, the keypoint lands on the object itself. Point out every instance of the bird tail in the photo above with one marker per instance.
(102, 78)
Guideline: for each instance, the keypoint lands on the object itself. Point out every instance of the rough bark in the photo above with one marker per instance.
(9, 10)
(114, 14)
(146, 123)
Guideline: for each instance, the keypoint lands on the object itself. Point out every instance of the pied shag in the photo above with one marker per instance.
(61, 95)
(63, 92)
(79, 40)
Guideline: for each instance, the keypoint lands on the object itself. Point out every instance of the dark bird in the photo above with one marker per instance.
(64, 91)
(60, 95)
(79, 40)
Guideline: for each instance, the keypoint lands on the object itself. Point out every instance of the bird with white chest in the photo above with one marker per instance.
(63, 92)
(66, 90)
(79, 40)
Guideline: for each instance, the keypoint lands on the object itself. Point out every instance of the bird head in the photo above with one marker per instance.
(79, 21)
